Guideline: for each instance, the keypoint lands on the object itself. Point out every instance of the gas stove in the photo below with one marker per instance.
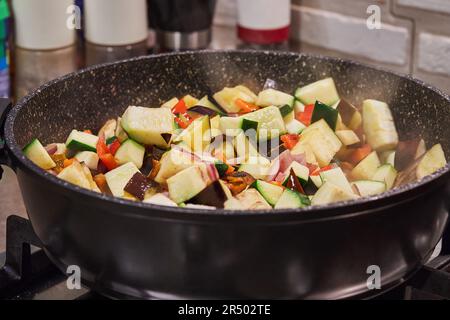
(27, 273)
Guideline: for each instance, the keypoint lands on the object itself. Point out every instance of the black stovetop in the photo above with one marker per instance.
(27, 273)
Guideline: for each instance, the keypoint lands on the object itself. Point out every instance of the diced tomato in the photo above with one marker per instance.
(87, 131)
(114, 146)
(245, 107)
(105, 154)
(290, 140)
(305, 116)
(180, 107)
(359, 154)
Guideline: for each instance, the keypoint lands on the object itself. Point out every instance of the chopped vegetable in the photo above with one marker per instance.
(305, 117)
(322, 111)
(104, 154)
(432, 161)
(137, 185)
(245, 107)
(359, 154)
(240, 151)
(36, 152)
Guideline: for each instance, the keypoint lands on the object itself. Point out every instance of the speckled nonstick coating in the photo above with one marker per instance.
(196, 253)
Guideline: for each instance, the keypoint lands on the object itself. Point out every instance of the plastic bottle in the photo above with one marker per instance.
(44, 45)
(264, 24)
(115, 30)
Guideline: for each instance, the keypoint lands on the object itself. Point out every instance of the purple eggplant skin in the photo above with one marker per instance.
(346, 110)
(213, 196)
(138, 185)
(405, 153)
(203, 111)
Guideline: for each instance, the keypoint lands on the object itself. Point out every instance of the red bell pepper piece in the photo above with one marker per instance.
(105, 154)
(290, 140)
(306, 116)
(312, 168)
(326, 168)
(180, 107)
(359, 154)
(183, 120)
(245, 107)
(114, 146)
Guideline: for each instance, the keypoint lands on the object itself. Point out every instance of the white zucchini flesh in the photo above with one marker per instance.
(197, 135)
(322, 140)
(347, 137)
(289, 200)
(172, 162)
(75, 174)
(322, 90)
(432, 161)
(329, 193)
(227, 97)
(387, 174)
(272, 97)
(301, 171)
(89, 158)
(170, 104)
(252, 199)
(188, 183)
(317, 180)
(190, 101)
(146, 125)
(36, 152)
(379, 125)
(388, 157)
(118, 178)
(369, 188)
(337, 177)
(269, 191)
(160, 199)
(303, 148)
(256, 170)
(244, 148)
(366, 168)
(130, 151)
(294, 126)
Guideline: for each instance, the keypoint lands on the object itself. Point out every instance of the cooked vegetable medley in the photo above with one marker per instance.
(239, 150)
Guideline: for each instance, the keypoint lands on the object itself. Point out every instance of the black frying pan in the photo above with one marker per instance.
(140, 250)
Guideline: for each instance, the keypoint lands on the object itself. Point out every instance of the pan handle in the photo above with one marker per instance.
(5, 106)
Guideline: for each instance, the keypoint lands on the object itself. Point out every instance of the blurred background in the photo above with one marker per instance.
(43, 39)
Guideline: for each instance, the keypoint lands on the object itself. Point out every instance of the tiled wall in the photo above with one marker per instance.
(414, 38)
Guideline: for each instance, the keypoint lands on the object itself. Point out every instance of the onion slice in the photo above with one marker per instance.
(51, 148)
(212, 172)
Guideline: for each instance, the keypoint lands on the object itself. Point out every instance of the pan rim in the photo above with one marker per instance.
(307, 213)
